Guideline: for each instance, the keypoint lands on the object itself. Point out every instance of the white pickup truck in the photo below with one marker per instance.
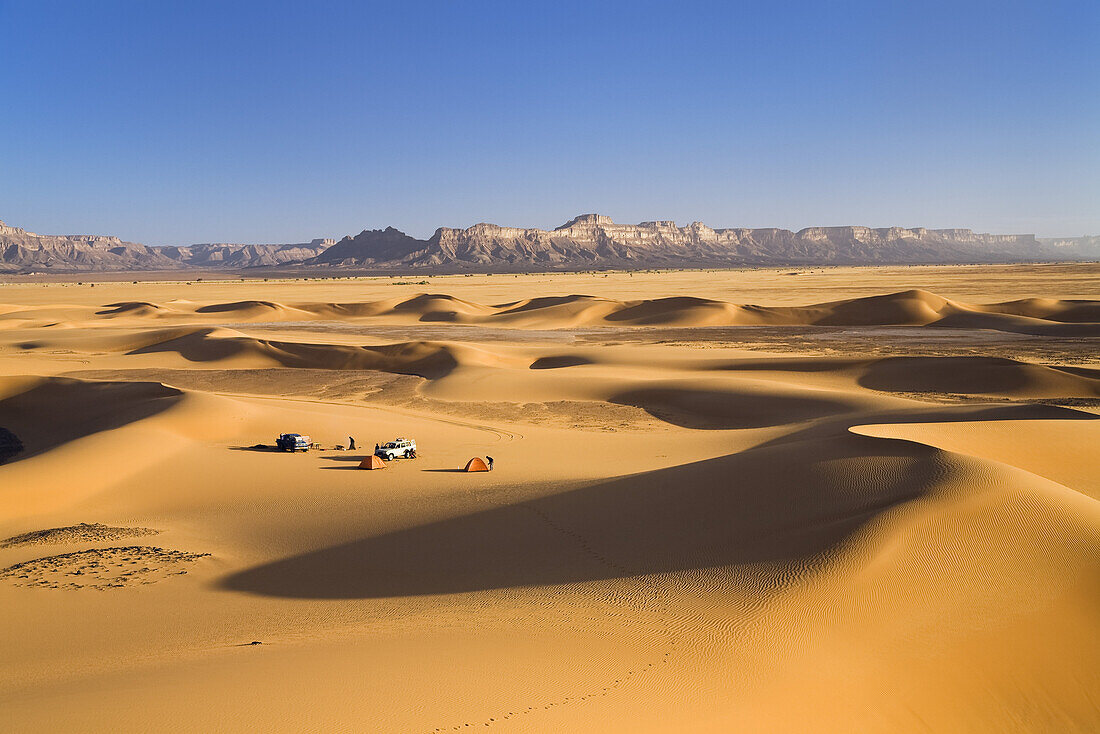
(399, 448)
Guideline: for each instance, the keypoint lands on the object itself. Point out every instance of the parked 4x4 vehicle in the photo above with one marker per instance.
(399, 448)
(293, 442)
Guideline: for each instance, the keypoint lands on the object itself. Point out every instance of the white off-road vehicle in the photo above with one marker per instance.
(399, 448)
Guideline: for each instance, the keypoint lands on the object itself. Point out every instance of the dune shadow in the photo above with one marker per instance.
(768, 508)
(237, 306)
(783, 509)
(59, 410)
(558, 362)
(10, 445)
(443, 317)
(728, 409)
(1014, 324)
(664, 310)
(972, 375)
(544, 302)
(787, 364)
(115, 309)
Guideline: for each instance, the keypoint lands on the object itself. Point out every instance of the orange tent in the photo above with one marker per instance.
(476, 464)
(372, 462)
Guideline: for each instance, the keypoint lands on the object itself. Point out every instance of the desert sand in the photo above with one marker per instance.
(826, 500)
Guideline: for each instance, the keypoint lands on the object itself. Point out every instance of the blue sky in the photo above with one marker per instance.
(180, 122)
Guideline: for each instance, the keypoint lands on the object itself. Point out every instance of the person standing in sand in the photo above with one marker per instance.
(351, 444)
(490, 460)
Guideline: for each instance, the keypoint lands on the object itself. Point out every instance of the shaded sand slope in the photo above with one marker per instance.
(979, 375)
(716, 405)
(963, 375)
(81, 437)
(49, 412)
(788, 502)
(779, 512)
(426, 359)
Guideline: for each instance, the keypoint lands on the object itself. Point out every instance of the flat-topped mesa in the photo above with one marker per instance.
(5, 229)
(483, 229)
(587, 220)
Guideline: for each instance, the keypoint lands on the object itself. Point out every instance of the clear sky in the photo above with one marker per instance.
(179, 122)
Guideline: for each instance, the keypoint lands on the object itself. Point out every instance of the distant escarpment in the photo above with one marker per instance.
(244, 256)
(1076, 248)
(592, 240)
(587, 241)
(22, 252)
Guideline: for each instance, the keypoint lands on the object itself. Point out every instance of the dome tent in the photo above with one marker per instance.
(372, 462)
(476, 464)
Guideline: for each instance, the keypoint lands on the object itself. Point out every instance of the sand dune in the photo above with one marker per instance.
(50, 412)
(135, 308)
(979, 376)
(1050, 309)
(691, 405)
(937, 375)
(680, 533)
(783, 510)
(782, 513)
(905, 308)
(426, 359)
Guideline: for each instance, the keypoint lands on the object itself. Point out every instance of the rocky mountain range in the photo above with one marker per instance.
(244, 256)
(22, 252)
(587, 241)
(592, 240)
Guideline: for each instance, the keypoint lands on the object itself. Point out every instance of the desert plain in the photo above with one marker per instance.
(827, 500)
